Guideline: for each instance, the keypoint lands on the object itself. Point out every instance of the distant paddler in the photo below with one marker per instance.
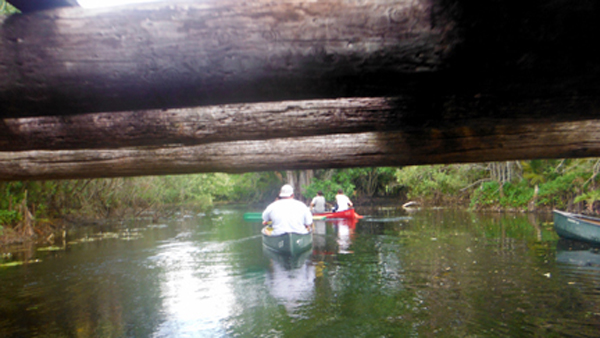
(288, 215)
(342, 202)
(318, 203)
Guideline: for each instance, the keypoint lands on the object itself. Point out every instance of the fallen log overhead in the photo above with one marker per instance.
(270, 120)
(478, 81)
(164, 55)
(545, 140)
(199, 125)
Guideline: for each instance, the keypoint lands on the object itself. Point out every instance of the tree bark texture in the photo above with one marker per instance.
(74, 60)
(471, 82)
(189, 126)
(271, 120)
(452, 145)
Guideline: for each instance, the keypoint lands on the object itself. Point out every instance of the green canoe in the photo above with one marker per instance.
(288, 262)
(289, 243)
(577, 227)
(257, 217)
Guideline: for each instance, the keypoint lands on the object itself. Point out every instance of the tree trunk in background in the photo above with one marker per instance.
(290, 178)
(299, 179)
(503, 172)
(371, 181)
(305, 178)
(532, 203)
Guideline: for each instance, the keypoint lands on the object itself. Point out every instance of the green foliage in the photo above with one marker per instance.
(559, 192)
(329, 189)
(487, 194)
(512, 195)
(113, 197)
(9, 217)
(555, 190)
(589, 198)
(254, 187)
(516, 195)
(199, 188)
(355, 182)
(329, 184)
(370, 181)
(539, 171)
(561, 183)
(6, 8)
(432, 182)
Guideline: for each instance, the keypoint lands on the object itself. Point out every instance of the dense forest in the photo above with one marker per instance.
(36, 208)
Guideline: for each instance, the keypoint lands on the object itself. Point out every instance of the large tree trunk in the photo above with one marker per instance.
(74, 60)
(545, 140)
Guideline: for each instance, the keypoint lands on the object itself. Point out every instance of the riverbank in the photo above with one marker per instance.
(39, 231)
(47, 231)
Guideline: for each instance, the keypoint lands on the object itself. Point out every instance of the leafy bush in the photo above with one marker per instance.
(487, 194)
(329, 181)
(516, 195)
(437, 182)
(254, 187)
(9, 217)
(560, 191)
(329, 189)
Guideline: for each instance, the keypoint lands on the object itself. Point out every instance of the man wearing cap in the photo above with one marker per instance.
(288, 214)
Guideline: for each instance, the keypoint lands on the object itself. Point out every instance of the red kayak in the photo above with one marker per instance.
(340, 214)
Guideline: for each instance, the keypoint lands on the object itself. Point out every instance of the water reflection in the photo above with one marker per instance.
(194, 286)
(435, 273)
(345, 228)
(579, 262)
(579, 254)
(290, 279)
(333, 236)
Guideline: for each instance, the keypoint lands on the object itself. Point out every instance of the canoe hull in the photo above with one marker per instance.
(350, 213)
(287, 244)
(257, 217)
(577, 227)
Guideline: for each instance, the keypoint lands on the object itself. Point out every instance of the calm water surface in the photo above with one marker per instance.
(432, 273)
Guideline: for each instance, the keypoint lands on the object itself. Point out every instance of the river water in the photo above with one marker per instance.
(431, 273)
